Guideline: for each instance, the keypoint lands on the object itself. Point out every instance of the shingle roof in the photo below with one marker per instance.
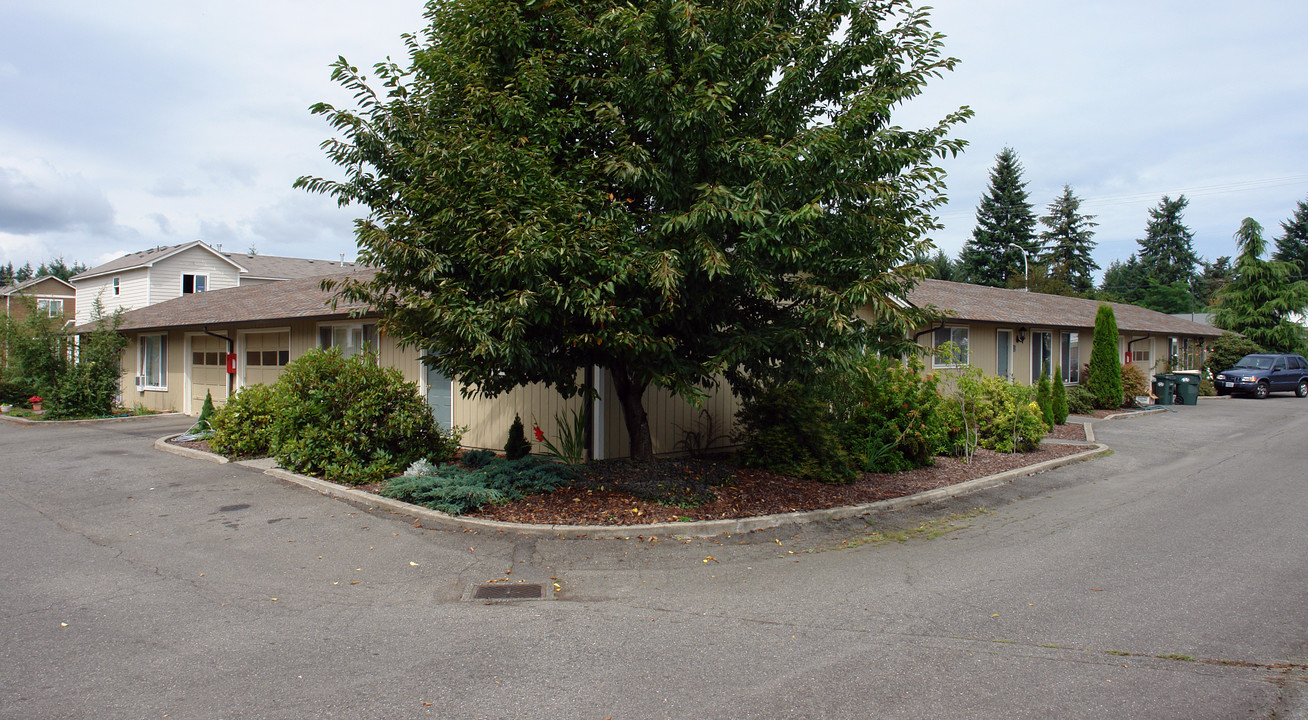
(257, 266)
(19, 287)
(982, 303)
(285, 300)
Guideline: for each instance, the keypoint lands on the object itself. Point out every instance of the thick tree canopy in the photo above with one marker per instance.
(1003, 217)
(671, 190)
(1262, 300)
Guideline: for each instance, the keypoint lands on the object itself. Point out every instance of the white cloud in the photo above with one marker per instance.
(45, 200)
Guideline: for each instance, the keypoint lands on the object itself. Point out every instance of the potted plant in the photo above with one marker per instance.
(35, 400)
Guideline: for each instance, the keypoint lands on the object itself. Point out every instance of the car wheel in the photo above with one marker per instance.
(1302, 390)
(1260, 390)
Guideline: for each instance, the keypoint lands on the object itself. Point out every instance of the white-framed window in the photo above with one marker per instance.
(154, 361)
(117, 286)
(1070, 352)
(194, 283)
(351, 338)
(50, 308)
(950, 334)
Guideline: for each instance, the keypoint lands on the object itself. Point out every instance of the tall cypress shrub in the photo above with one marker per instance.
(1044, 399)
(1105, 377)
(1059, 398)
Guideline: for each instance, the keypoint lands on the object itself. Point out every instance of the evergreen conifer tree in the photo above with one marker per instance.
(1167, 250)
(1292, 246)
(517, 445)
(1059, 398)
(1044, 398)
(1004, 216)
(1105, 375)
(1264, 296)
(1067, 243)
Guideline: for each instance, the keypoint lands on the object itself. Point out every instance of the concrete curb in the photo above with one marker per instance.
(163, 444)
(89, 421)
(699, 528)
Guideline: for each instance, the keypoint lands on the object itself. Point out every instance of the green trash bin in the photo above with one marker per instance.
(1164, 387)
(1187, 388)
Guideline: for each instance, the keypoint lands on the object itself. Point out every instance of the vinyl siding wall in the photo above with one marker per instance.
(486, 420)
(133, 292)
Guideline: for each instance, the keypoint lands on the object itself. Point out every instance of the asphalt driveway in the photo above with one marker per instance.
(1166, 580)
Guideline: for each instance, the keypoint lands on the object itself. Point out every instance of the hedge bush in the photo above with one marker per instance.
(349, 420)
(1003, 415)
(789, 429)
(243, 426)
(889, 416)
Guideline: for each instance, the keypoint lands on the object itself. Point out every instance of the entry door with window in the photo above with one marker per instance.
(440, 397)
(1042, 354)
(1004, 358)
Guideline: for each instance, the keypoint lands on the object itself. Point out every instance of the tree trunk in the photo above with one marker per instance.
(631, 396)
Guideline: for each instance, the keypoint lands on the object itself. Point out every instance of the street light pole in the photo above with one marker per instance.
(1026, 276)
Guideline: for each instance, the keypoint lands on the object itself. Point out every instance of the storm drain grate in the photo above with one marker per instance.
(507, 591)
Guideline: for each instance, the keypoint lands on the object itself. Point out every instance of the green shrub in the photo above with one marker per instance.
(517, 445)
(889, 416)
(789, 430)
(1080, 401)
(1045, 399)
(476, 458)
(90, 387)
(1059, 400)
(349, 420)
(243, 426)
(1134, 383)
(456, 490)
(1003, 416)
(1227, 351)
(16, 391)
(206, 412)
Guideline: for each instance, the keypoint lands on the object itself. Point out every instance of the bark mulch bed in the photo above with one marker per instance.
(624, 493)
(619, 492)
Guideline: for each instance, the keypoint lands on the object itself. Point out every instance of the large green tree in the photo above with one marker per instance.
(1263, 300)
(670, 190)
(1067, 242)
(1167, 249)
(1292, 245)
(1004, 217)
(1104, 377)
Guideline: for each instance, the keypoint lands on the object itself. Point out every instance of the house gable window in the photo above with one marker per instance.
(945, 335)
(153, 361)
(117, 286)
(1070, 352)
(351, 338)
(194, 283)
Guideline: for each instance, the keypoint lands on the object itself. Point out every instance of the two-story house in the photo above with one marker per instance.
(53, 298)
(152, 276)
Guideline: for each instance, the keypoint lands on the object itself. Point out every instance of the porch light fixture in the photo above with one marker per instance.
(1021, 334)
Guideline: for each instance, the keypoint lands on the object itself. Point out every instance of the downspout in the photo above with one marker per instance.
(231, 350)
(1132, 353)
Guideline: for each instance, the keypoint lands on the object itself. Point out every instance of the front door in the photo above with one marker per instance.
(440, 397)
(1042, 354)
(1004, 360)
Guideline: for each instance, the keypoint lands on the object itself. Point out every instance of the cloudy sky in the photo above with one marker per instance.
(137, 123)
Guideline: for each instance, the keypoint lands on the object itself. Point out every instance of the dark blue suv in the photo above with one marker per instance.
(1264, 373)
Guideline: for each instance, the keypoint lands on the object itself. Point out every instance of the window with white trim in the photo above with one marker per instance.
(154, 360)
(944, 336)
(50, 308)
(350, 338)
(117, 286)
(1070, 352)
(194, 283)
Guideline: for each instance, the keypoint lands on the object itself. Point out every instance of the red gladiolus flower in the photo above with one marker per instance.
(540, 434)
